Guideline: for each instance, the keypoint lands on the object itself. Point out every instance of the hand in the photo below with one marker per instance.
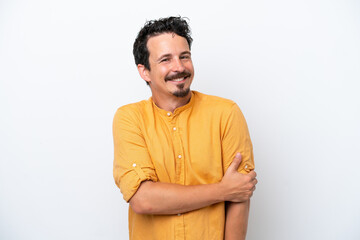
(238, 187)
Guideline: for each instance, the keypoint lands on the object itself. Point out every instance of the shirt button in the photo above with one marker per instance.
(134, 165)
(169, 114)
(179, 156)
(174, 128)
(179, 214)
(246, 166)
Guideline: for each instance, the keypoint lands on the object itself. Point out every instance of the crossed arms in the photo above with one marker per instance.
(174, 198)
(235, 188)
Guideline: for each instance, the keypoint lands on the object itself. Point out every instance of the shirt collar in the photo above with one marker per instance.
(177, 110)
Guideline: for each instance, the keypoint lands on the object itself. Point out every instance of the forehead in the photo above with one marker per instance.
(167, 43)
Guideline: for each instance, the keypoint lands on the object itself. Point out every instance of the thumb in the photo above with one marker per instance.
(236, 162)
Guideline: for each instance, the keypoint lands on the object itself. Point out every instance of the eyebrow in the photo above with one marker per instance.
(186, 52)
(163, 56)
(169, 55)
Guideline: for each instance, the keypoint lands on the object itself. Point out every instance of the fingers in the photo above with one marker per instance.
(252, 174)
(254, 182)
(236, 162)
(252, 191)
(238, 155)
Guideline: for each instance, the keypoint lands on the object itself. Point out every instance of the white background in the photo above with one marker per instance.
(292, 66)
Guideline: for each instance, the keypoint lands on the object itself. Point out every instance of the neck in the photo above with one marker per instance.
(171, 103)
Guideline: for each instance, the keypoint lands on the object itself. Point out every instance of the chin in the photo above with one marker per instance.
(181, 93)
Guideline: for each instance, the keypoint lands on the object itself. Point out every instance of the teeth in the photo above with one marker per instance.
(178, 80)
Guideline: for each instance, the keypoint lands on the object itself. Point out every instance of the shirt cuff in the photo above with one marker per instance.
(133, 177)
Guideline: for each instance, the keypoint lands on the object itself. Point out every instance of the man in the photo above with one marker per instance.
(177, 155)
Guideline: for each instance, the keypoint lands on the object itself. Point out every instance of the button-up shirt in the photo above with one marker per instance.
(193, 145)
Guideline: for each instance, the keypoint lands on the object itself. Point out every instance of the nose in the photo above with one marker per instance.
(178, 65)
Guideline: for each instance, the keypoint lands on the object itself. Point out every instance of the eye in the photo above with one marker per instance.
(185, 57)
(165, 60)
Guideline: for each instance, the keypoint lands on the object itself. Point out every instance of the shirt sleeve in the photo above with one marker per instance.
(132, 162)
(236, 138)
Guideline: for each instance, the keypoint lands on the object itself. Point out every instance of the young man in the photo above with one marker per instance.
(183, 159)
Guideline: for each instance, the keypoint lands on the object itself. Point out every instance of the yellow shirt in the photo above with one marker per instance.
(194, 145)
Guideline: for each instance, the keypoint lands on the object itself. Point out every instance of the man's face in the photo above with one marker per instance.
(171, 67)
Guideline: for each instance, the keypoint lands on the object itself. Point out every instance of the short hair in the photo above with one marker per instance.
(177, 25)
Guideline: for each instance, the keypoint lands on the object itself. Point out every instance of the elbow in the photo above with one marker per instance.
(136, 206)
(141, 202)
(140, 206)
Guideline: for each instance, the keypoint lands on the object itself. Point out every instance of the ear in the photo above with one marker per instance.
(144, 73)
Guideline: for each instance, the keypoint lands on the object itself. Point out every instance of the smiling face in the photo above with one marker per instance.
(171, 69)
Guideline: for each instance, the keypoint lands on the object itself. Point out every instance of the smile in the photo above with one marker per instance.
(178, 79)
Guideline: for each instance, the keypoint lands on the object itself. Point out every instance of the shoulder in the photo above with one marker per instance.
(213, 102)
(133, 110)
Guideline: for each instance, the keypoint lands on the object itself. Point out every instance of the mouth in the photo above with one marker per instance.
(179, 78)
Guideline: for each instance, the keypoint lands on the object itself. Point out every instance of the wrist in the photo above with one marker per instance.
(220, 192)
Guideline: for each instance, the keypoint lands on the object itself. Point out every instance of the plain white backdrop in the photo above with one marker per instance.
(293, 67)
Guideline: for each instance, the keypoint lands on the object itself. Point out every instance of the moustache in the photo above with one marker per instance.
(183, 74)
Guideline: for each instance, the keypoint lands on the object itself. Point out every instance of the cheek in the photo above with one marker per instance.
(190, 66)
(163, 71)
